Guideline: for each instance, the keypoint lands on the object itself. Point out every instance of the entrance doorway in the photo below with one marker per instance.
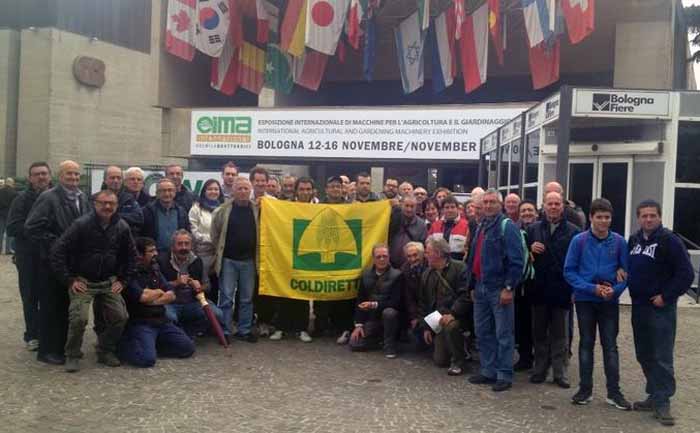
(610, 178)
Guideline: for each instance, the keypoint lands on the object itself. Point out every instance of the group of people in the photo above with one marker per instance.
(463, 281)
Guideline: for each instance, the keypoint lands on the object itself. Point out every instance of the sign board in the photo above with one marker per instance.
(355, 133)
(621, 103)
(193, 180)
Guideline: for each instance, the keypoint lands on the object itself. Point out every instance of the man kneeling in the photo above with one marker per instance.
(149, 332)
(376, 308)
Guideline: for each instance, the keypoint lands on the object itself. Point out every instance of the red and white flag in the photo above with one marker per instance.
(357, 11)
(213, 18)
(180, 31)
(544, 64)
(324, 22)
(263, 25)
(459, 17)
(308, 70)
(224, 70)
(580, 18)
(475, 48)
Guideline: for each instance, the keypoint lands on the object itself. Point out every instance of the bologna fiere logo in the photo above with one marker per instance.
(611, 102)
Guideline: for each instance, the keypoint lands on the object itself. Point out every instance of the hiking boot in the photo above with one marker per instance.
(538, 378)
(109, 359)
(344, 338)
(643, 406)
(582, 397)
(561, 382)
(501, 385)
(618, 401)
(72, 365)
(305, 337)
(663, 414)
(277, 336)
(249, 338)
(479, 379)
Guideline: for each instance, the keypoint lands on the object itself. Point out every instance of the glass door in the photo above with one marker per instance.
(582, 183)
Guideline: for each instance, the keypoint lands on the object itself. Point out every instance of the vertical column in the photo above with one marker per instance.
(564, 136)
(377, 174)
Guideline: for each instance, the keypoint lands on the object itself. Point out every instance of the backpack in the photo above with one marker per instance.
(528, 272)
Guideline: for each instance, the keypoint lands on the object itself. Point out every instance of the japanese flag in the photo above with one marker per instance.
(324, 22)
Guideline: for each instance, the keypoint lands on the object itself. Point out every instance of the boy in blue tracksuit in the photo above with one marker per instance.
(591, 268)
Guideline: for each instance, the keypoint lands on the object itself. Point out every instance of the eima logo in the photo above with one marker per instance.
(327, 242)
(614, 103)
(229, 129)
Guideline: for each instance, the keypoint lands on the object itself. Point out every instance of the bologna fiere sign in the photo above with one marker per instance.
(621, 103)
(368, 133)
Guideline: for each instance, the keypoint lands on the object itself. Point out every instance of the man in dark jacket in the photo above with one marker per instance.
(164, 216)
(52, 214)
(94, 258)
(363, 188)
(659, 273)
(377, 305)
(7, 196)
(411, 273)
(183, 196)
(572, 213)
(129, 209)
(149, 332)
(134, 179)
(404, 227)
(443, 289)
(551, 298)
(27, 252)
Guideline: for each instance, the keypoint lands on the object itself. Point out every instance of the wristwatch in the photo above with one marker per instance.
(510, 289)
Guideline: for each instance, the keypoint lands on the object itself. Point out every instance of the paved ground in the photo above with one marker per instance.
(289, 386)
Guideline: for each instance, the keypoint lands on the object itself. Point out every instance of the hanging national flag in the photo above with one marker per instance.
(409, 48)
(324, 22)
(451, 23)
(495, 28)
(293, 28)
(424, 14)
(357, 12)
(225, 69)
(212, 26)
(458, 7)
(580, 18)
(537, 23)
(544, 64)
(438, 40)
(251, 73)
(180, 31)
(475, 48)
(340, 51)
(309, 69)
(274, 10)
(235, 30)
(262, 34)
(369, 54)
(278, 70)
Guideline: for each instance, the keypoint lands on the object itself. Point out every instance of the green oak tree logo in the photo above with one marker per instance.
(327, 242)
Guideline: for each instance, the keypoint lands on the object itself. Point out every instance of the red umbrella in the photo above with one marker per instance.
(215, 326)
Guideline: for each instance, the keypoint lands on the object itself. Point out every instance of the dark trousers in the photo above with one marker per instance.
(449, 345)
(605, 317)
(383, 325)
(292, 315)
(523, 323)
(53, 313)
(334, 315)
(142, 342)
(550, 329)
(654, 338)
(27, 263)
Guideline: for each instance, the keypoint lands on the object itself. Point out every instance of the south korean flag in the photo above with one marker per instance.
(212, 26)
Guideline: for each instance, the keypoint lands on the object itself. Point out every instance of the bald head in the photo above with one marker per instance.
(69, 174)
(553, 187)
(477, 191)
(113, 178)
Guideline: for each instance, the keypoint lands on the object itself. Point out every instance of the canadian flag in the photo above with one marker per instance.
(324, 22)
(180, 31)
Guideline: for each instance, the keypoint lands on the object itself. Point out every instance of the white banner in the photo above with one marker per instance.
(425, 133)
(621, 103)
(193, 180)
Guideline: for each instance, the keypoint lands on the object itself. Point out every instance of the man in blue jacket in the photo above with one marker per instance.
(592, 262)
(660, 272)
(495, 262)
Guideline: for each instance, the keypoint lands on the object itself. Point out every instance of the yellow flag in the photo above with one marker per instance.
(296, 47)
(318, 251)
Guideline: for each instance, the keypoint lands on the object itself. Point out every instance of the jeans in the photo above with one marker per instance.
(604, 316)
(237, 276)
(384, 325)
(493, 324)
(111, 309)
(550, 329)
(143, 341)
(29, 286)
(654, 338)
(191, 317)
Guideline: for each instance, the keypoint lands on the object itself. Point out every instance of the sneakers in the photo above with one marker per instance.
(582, 397)
(249, 338)
(618, 401)
(32, 345)
(344, 338)
(72, 365)
(663, 414)
(109, 359)
(390, 353)
(277, 336)
(501, 385)
(643, 406)
(478, 379)
(305, 337)
(455, 370)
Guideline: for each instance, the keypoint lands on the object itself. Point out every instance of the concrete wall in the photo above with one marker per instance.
(644, 55)
(9, 76)
(59, 118)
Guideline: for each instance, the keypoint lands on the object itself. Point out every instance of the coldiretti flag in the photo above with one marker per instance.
(318, 251)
